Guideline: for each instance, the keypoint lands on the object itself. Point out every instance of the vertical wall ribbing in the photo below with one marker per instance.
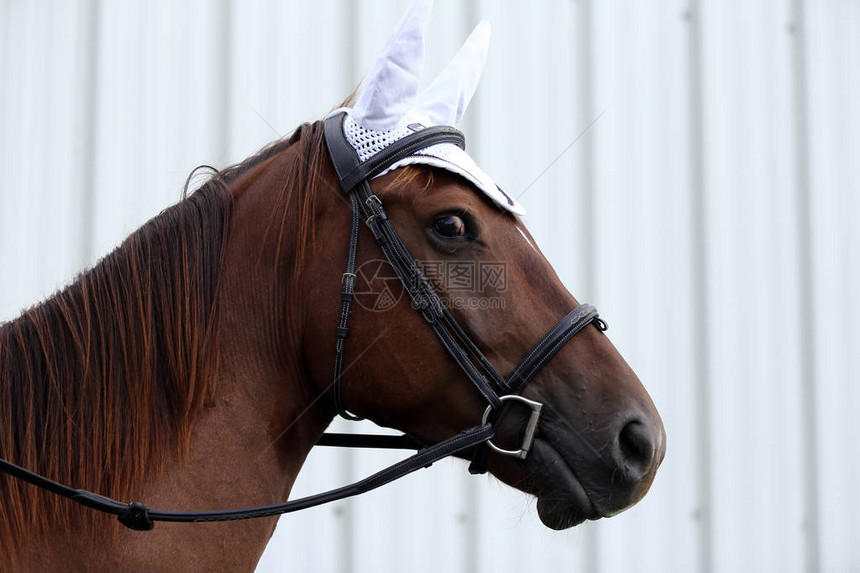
(222, 79)
(86, 126)
(5, 25)
(586, 284)
(585, 115)
(700, 282)
(806, 343)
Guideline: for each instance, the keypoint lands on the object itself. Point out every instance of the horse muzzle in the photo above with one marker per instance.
(591, 472)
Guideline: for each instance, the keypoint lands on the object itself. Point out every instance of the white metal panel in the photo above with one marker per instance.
(749, 191)
(643, 257)
(105, 107)
(834, 123)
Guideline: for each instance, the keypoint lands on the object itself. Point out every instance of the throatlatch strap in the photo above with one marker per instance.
(346, 297)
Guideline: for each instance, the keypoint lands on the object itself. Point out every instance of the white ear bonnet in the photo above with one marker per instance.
(390, 106)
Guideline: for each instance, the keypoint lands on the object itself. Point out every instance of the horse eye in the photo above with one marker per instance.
(449, 226)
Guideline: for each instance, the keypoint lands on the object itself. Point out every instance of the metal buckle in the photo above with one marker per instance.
(531, 427)
(373, 198)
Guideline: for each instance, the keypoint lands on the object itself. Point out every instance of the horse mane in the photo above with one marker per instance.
(100, 385)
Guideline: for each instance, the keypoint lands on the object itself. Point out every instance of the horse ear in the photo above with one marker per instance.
(392, 84)
(445, 100)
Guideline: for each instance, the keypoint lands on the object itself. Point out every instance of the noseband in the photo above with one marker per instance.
(498, 391)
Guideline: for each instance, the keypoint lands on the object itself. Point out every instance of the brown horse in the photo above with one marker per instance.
(191, 368)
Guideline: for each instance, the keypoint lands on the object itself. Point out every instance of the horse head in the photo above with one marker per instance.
(600, 439)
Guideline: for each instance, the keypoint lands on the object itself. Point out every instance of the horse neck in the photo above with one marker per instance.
(253, 437)
(251, 432)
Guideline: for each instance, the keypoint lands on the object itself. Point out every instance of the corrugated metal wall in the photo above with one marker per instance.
(690, 168)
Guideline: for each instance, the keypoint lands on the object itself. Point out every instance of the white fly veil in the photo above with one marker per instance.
(390, 106)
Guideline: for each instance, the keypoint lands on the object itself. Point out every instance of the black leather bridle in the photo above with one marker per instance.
(498, 391)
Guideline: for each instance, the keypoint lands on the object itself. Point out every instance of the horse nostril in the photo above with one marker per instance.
(636, 444)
